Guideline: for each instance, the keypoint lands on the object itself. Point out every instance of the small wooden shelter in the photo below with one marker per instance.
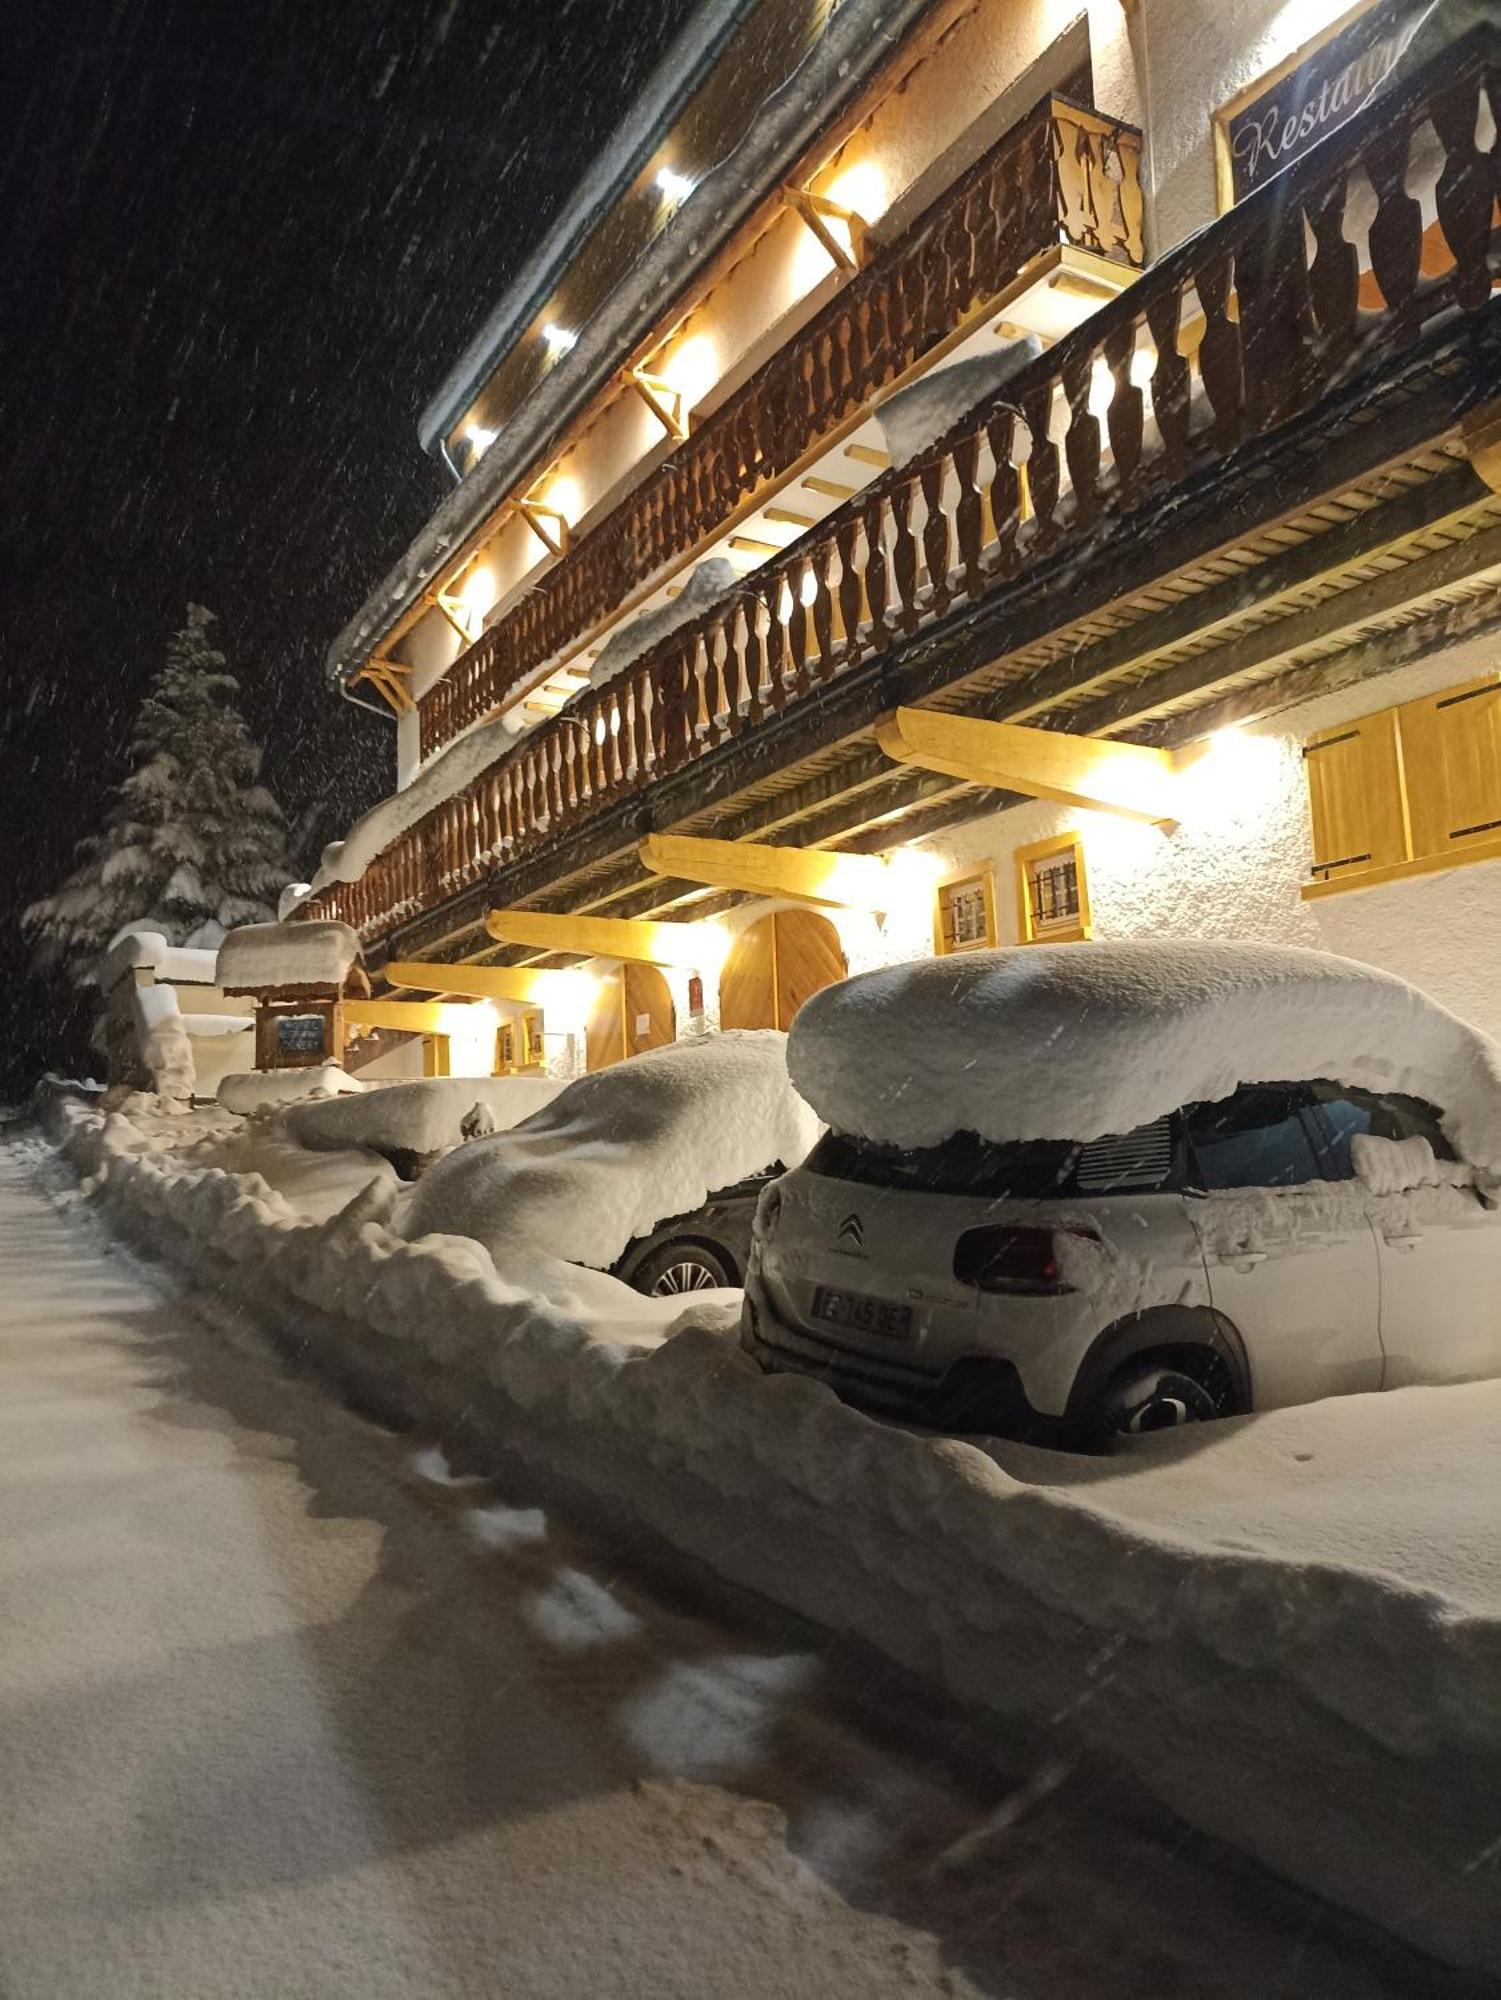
(299, 975)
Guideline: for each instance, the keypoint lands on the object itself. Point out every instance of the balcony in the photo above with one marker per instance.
(1323, 292)
(1062, 178)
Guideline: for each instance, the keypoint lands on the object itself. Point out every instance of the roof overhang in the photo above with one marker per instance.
(859, 36)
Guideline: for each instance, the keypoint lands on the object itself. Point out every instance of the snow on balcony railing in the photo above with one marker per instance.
(1063, 175)
(1324, 272)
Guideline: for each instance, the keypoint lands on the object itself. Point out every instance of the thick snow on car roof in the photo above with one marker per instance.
(1075, 1041)
(620, 1151)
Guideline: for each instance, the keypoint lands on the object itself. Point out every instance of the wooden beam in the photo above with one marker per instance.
(532, 988)
(817, 211)
(686, 945)
(413, 1017)
(1091, 771)
(548, 524)
(662, 399)
(803, 874)
(1481, 435)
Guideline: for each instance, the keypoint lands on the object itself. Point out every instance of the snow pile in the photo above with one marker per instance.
(1075, 1041)
(709, 582)
(258, 956)
(210, 1025)
(1290, 1628)
(423, 1118)
(919, 416)
(163, 1042)
(147, 950)
(618, 1152)
(249, 1093)
(1393, 1166)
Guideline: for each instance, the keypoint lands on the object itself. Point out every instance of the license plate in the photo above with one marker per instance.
(862, 1314)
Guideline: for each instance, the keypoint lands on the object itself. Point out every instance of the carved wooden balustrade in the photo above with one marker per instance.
(1063, 175)
(1240, 330)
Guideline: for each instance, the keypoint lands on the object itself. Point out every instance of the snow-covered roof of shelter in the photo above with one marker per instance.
(853, 40)
(138, 948)
(620, 1151)
(260, 956)
(1074, 1041)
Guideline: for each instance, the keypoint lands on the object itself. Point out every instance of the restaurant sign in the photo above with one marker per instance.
(1283, 115)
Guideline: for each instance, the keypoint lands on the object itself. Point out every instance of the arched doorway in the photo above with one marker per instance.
(632, 1012)
(776, 964)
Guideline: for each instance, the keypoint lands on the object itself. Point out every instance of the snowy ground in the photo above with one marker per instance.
(286, 1709)
(1287, 1627)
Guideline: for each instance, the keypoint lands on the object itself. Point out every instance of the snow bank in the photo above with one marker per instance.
(254, 1091)
(1288, 1626)
(422, 1117)
(210, 1025)
(918, 416)
(162, 1040)
(137, 949)
(618, 1152)
(300, 954)
(1075, 1041)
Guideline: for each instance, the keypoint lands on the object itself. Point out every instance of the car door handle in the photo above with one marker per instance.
(1404, 1242)
(1244, 1260)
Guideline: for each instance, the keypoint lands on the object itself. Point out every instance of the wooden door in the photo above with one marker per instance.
(747, 985)
(604, 1038)
(632, 1012)
(777, 963)
(650, 1019)
(808, 958)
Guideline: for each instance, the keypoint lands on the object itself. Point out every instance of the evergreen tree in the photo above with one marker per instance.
(193, 843)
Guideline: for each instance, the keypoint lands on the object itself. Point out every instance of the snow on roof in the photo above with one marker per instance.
(138, 948)
(258, 956)
(1074, 1041)
(620, 1151)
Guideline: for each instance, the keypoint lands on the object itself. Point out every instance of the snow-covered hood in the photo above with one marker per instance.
(1077, 1040)
(620, 1151)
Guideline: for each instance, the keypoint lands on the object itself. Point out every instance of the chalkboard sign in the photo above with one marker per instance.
(300, 1034)
(1286, 113)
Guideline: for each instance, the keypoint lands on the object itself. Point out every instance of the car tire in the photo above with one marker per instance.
(1151, 1396)
(673, 1269)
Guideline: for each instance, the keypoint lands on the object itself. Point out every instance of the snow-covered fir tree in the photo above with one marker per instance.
(193, 843)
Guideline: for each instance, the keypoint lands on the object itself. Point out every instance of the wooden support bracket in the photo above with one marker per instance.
(817, 211)
(662, 399)
(634, 939)
(1092, 771)
(802, 874)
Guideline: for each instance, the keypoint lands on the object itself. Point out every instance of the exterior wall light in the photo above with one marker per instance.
(676, 187)
(559, 339)
(480, 439)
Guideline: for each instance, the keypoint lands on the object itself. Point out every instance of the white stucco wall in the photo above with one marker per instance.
(1242, 850)
(1190, 56)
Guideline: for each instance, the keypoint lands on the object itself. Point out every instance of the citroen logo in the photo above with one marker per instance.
(852, 1230)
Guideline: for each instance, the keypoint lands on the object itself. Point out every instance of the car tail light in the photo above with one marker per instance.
(768, 1213)
(1005, 1257)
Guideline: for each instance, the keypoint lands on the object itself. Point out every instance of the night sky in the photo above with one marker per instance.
(242, 243)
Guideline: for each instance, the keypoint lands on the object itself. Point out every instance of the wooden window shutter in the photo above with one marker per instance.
(1451, 752)
(1356, 795)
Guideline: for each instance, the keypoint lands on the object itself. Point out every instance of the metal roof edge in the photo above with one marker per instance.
(667, 89)
(859, 38)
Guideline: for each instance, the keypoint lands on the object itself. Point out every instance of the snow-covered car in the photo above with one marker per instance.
(1089, 1188)
(702, 1251)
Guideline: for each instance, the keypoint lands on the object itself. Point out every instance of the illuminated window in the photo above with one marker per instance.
(966, 914)
(505, 1049)
(1052, 896)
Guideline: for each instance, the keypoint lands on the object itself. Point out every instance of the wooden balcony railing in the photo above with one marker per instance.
(1274, 293)
(1064, 175)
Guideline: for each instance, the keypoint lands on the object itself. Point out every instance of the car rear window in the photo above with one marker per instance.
(1032, 1171)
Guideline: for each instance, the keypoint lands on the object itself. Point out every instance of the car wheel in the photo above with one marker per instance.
(674, 1268)
(1153, 1398)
